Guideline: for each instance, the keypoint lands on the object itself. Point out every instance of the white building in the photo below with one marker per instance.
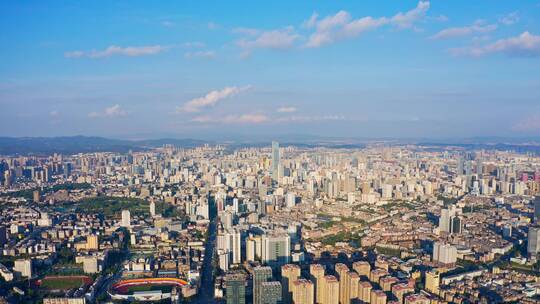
(126, 219)
(23, 268)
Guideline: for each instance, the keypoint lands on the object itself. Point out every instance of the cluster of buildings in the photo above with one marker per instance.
(379, 224)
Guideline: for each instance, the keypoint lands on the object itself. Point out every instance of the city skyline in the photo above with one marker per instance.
(351, 69)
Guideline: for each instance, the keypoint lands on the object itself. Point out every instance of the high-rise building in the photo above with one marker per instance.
(533, 241)
(377, 296)
(353, 280)
(537, 209)
(36, 196)
(456, 225)
(341, 271)
(364, 291)
(363, 268)
(289, 274)
(276, 161)
(449, 221)
(330, 290)
(271, 293)
(91, 264)
(23, 267)
(3, 235)
(260, 275)
(433, 279)
(444, 253)
(152, 208)
(235, 242)
(92, 242)
(235, 288)
(303, 292)
(126, 219)
(316, 272)
(276, 249)
(416, 299)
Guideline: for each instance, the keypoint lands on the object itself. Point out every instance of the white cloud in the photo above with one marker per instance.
(54, 114)
(113, 111)
(253, 118)
(312, 21)
(478, 27)
(526, 44)
(341, 25)
(210, 99)
(407, 19)
(286, 109)
(131, 51)
(509, 19)
(274, 39)
(200, 54)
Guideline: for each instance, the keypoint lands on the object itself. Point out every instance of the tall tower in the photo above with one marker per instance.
(289, 274)
(303, 292)
(92, 242)
(432, 281)
(126, 219)
(537, 210)
(271, 293)
(235, 288)
(330, 290)
(152, 208)
(276, 161)
(260, 275)
(533, 242)
(317, 274)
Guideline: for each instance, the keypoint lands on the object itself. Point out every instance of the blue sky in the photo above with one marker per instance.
(139, 69)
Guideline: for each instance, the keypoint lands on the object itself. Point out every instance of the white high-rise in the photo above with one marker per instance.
(276, 249)
(276, 161)
(126, 219)
(152, 208)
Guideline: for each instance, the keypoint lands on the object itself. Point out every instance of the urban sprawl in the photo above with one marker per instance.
(266, 225)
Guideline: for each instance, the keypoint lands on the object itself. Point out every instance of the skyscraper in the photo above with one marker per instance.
(276, 161)
(317, 274)
(456, 225)
(433, 278)
(537, 209)
(126, 219)
(303, 292)
(152, 208)
(92, 242)
(276, 249)
(533, 241)
(289, 274)
(235, 288)
(260, 275)
(330, 290)
(270, 293)
(341, 271)
(444, 253)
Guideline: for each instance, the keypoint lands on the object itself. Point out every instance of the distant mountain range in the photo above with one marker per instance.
(86, 144)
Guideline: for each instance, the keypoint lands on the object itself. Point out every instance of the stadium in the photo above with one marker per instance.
(148, 289)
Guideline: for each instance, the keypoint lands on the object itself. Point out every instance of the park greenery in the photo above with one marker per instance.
(110, 206)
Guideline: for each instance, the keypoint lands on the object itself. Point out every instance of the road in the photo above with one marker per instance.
(206, 292)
